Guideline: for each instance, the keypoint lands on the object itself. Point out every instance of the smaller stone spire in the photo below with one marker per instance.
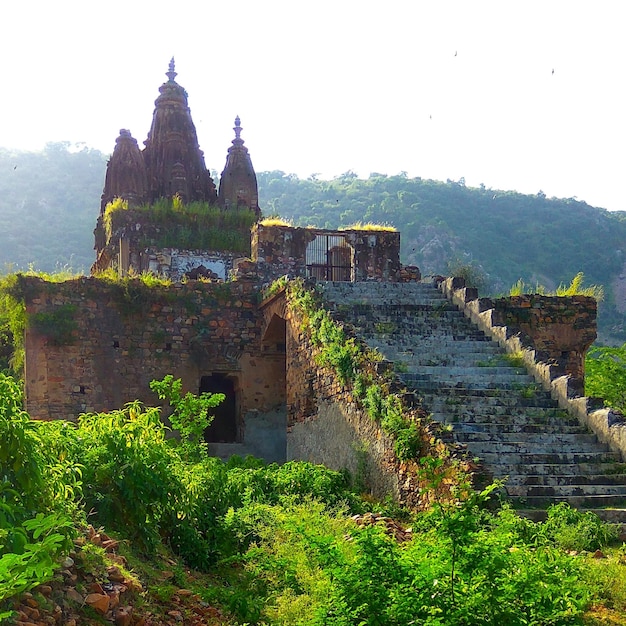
(238, 184)
(171, 73)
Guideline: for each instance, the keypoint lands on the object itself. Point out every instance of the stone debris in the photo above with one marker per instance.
(110, 595)
(392, 527)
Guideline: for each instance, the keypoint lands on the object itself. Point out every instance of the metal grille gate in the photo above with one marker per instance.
(329, 257)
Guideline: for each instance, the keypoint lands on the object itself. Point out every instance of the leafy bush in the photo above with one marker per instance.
(319, 569)
(605, 375)
(191, 412)
(570, 529)
(128, 478)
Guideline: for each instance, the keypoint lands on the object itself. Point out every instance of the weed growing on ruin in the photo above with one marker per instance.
(275, 220)
(191, 226)
(275, 287)
(575, 288)
(58, 325)
(370, 226)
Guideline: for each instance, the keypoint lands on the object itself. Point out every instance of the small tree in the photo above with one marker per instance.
(191, 413)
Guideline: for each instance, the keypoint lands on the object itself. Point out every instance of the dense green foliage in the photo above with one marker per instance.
(605, 375)
(281, 541)
(38, 492)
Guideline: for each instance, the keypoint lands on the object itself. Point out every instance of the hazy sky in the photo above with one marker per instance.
(526, 95)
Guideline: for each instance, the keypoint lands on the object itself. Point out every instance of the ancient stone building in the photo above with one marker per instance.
(171, 165)
(93, 344)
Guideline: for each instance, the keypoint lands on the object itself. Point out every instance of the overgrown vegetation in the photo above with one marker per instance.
(171, 223)
(575, 288)
(283, 543)
(605, 375)
(355, 366)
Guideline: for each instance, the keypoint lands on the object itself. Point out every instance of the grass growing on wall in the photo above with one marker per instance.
(192, 226)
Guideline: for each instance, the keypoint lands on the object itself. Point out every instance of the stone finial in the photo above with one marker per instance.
(171, 73)
(237, 128)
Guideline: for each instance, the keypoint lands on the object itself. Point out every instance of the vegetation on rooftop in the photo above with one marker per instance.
(575, 288)
(172, 223)
(370, 226)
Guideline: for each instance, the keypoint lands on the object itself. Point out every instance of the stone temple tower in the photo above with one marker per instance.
(238, 184)
(174, 161)
(171, 162)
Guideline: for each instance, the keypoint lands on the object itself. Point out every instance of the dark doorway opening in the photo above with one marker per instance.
(223, 428)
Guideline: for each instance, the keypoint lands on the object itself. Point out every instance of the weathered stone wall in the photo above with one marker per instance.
(327, 424)
(125, 335)
(282, 250)
(130, 246)
(560, 330)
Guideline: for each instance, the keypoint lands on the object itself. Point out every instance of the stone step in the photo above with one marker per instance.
(541, 440)
(577, 502)
(516, 459)
(455, 371)
(612, 516)
(582, 468)
(447, 397)
(461, 359)
(495, 384)
(477, 376)
(550, 491)
(576, 479)
(514, 428)
(440, 352)
(499, 423)
(547, 447)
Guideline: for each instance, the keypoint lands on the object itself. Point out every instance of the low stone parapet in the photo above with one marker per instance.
(552, 335)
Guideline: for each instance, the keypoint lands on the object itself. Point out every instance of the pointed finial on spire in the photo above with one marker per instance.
(171, 73)
(237, 128)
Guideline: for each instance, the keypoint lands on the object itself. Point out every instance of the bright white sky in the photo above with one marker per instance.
(516, 94)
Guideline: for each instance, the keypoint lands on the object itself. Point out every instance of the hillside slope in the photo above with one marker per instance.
(49, 202)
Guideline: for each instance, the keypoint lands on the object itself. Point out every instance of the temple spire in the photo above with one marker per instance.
(238, 184)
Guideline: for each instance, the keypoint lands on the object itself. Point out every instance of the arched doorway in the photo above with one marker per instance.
(223, 428)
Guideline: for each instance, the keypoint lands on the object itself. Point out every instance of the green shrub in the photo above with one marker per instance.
(128, 477)
(570, 529)
(605, 375)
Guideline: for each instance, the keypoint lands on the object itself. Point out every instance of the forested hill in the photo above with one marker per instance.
(49, 202)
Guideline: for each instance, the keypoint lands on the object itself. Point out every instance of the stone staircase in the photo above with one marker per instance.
(491, 402)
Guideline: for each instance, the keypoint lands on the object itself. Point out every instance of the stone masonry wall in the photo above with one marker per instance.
(327, 424)
(123, 335)
(281, 250)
